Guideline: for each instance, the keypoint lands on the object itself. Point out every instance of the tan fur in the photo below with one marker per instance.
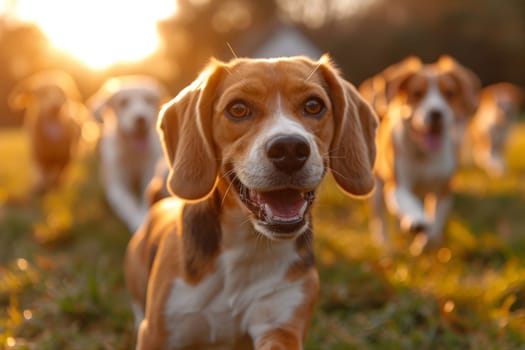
(53, 116)
(499, 105)
(206, 231)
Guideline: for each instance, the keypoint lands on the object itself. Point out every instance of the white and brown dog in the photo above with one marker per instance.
(499, 106)
(53, 117)
(424, 109)
(228, 262)
(127, 107)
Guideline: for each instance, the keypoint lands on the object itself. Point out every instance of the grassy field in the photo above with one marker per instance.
(61, 283)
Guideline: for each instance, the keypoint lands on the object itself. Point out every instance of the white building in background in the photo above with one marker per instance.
(287, 41)
(276, 40)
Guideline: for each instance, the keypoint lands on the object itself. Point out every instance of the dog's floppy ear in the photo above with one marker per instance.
(186, 133)
(468, 82)
(396, 75)
(98, 103)
(353, 151)
(373, 91)
(380, 89)
(20, 96)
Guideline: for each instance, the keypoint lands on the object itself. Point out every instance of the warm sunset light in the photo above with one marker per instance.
(97, 32)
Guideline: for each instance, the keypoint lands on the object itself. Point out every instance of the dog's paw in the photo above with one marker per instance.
(415, 226)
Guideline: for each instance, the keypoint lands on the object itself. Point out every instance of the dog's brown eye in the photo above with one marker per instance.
(449, 93)
(417, 94)
(314, 107)
(238, 110)
(152, 100)
(122, 103)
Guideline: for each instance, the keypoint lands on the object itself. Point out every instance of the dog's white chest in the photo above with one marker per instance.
(244, 296)
(440, 166)
(428, 170)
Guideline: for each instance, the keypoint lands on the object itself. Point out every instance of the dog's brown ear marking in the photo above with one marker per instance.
(352, 152)
(397, 75)
(186, 134)
(380, 89)
(20, 96)
(466, 79)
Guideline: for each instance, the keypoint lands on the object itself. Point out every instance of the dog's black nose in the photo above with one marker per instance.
(436, 120)
(140, 123)
(436, 116)
(288, 153)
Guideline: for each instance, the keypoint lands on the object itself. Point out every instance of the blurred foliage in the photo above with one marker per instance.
(62, 287)
(363, 36)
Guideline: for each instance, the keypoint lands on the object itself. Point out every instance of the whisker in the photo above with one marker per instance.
(228, 70)
(228, 173)
(231, 50)
(226, 193)
(338, 173)
(313, 71)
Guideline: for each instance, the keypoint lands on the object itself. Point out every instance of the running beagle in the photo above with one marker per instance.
(499, 106)
(227, 263)
(424, 110)
(54, 115)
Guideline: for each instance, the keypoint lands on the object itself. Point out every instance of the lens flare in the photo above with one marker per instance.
(98, 32)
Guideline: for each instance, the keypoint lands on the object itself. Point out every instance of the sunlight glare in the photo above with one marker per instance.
(99, 32)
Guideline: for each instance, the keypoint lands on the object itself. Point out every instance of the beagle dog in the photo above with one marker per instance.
(499, 105)
(424, 109)
(227, 262)
(127, 107)
(53, 117)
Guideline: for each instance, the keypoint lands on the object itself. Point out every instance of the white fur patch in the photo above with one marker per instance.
(247, 294)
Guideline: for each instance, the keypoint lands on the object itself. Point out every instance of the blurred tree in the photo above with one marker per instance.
(363, 36)
(22, 51)
(486, 35)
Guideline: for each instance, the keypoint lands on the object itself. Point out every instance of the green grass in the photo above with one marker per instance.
(61, 282)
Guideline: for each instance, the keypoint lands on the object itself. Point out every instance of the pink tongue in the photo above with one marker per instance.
(140, 143)
(433, 142)
(283, 203)
(54, 130)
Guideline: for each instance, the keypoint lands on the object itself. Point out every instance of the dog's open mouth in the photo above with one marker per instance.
(281, 211)
(140, 139)
(430, 138)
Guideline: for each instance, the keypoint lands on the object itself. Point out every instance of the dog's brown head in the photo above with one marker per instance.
(269, 129)
(506, 99)
(432, 99)
(45, 95)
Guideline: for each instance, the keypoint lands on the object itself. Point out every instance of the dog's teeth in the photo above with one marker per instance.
(294, 218)
(268, 211)
(303, 209)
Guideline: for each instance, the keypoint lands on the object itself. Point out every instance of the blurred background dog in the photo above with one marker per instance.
(500, 104)
(127, 107)
(53, 117)
(424, 110)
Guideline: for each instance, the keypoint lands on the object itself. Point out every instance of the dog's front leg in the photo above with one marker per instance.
(403, 203)
(279, 339)
(125, 205)
(378, 223)
(438, 208)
